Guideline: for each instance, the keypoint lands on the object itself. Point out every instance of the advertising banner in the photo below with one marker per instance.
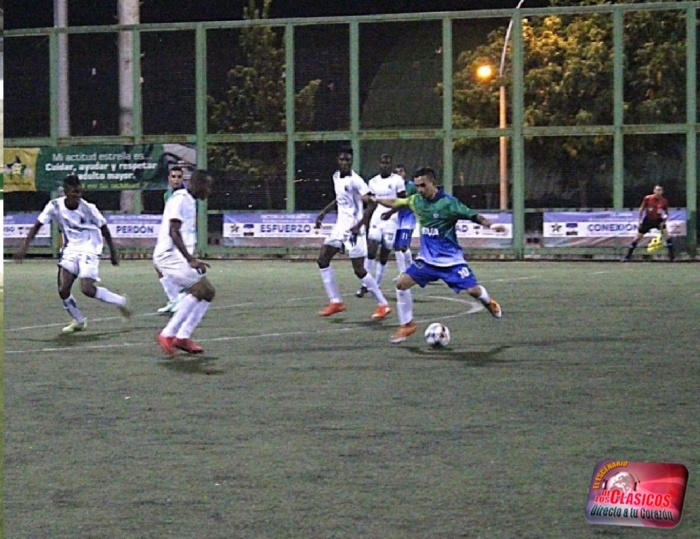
(127, 230)
(297, 230)
(602, 229)
(142, 166)
(17, 225)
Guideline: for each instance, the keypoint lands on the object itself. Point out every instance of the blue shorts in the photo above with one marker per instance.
(403, 238)
(458, 278)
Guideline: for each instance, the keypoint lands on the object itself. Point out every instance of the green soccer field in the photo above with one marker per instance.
(292, 425)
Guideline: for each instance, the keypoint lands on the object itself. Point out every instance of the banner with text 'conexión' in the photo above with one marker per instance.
(602, 229)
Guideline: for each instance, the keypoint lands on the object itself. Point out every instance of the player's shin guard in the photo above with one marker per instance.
(404, 305)
(400, 261)
(369, 282)
(178, 319)
(381, 269)
(70, 305)
(109, 297)
(329, 284)
(192, 321)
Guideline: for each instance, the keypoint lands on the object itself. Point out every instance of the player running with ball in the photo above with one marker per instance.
(440, 256)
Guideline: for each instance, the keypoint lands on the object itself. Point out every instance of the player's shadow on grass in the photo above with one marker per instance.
(81, 338)
(191, 365)
(470, 358)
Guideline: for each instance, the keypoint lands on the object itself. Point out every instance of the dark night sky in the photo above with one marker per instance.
(84, 12)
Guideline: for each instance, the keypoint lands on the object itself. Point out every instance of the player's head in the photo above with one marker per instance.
(386, 164)
(72, 188)
(425, 182)
(400, 169)
(345, 160)
(658, 190)
(176, 177)
(200, 184)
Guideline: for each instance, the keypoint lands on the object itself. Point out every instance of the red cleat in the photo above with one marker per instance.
(188, 345)
(381, 312)
(332, 308)
(167, 344)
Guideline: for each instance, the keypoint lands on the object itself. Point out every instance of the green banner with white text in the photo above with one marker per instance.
(140, 166)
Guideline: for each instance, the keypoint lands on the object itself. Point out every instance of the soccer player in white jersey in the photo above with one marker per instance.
(382, 228)
(174, 259)
(175, 182)
(348, 236)
(83, 228)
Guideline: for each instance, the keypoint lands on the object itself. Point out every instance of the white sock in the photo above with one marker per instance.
(193, 320)
(408, 257)
(70, 305)
(370, 264)
(400, 261)
(184, 310)
(171, 289)
(109, 297)
(404, 305)
(381, 269)
(484, 297)
(371, 285)
(331, 287)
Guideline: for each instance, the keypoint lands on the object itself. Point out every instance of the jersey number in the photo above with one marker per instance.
(463, 272)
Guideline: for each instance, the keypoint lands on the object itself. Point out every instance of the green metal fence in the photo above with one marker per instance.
(444, 132)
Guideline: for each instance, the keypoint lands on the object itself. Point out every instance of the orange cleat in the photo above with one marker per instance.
(495, 309)
(381, 312)
(404, 332)
(167, 344)
(188, 345)
(332, 308)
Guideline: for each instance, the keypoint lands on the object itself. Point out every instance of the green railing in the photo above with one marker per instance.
(517, 132)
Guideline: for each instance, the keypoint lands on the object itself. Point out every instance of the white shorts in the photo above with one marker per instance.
(82, 265)
(383, 232)
(177, 270)
(340, 237)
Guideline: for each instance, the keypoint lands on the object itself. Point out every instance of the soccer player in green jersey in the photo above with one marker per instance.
(440, 256)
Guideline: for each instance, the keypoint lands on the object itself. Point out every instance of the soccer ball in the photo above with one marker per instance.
(437, 335)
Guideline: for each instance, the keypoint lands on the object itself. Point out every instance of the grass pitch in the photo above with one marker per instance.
(291, 425)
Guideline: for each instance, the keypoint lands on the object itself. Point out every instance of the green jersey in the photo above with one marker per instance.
(437, 219)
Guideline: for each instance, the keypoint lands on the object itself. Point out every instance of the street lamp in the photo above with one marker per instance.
(485, 72)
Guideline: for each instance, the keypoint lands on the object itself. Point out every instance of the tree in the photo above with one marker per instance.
(255, 103)
(568, 75)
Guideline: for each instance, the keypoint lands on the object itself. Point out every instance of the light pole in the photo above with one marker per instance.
(485, 72)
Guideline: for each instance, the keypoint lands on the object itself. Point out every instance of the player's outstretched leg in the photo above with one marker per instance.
(404, 306)
(480, 293)
(79, 322)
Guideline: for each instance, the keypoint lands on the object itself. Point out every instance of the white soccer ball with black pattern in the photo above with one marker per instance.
(437, 335)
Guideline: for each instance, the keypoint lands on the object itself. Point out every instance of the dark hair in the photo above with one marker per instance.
(427, 172)
(71, 180)
(175, 168)
(201, 176)
(345, 149)
(386, 156)
(400, 165)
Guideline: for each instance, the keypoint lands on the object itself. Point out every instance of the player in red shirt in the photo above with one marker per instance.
(652, 214)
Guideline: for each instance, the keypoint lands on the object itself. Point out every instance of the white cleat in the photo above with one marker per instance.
(75, 326)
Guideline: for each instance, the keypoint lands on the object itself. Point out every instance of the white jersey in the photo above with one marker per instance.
(349, 191)
(80, 227)
(181, 206)
(388, 187)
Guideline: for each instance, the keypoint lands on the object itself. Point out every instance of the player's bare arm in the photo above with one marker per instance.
(22, 251)
(483, 221)
(387, 215)
(322, 214)
(388, 203)
(107, 235)
(180, 244)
